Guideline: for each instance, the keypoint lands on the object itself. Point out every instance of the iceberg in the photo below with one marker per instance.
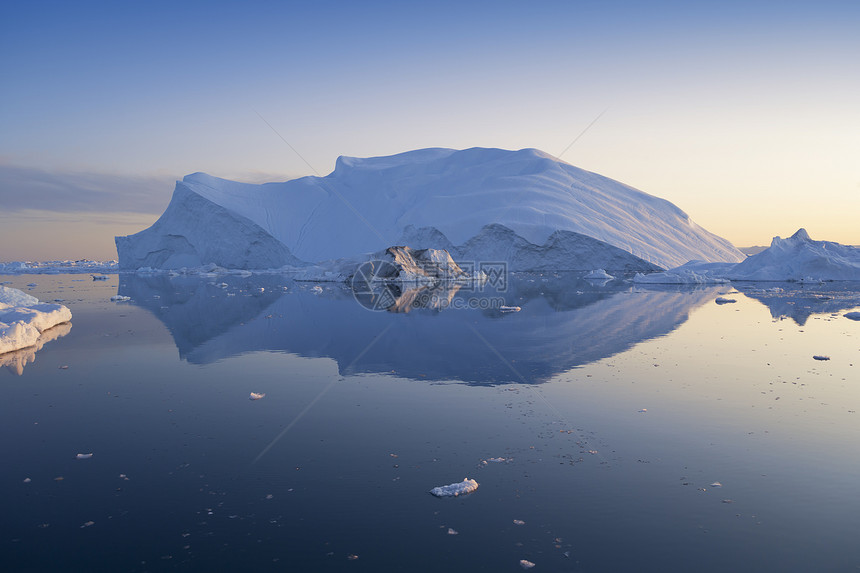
(523, 207)
(799, 258)
(23, 318)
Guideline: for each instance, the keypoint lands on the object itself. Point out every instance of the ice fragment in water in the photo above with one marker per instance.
(504, 308)
(716, 484)
(256, 395)
(88, 523)
(455, 489)
(453, 531)
(526, 564)
(120, 298)
(519, 522)
(27, 480)
(496, 460)
(84, 456)
(643, 410)
(318, 290)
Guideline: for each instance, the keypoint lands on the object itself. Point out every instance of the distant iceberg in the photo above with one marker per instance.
(799, 258)
(23, 319)
(523, 207)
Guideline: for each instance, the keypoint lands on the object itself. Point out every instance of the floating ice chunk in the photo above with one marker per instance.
(84, 456)
(504, 308)
(821, 357)
(120, 298)
(643, 410)
(853, 315)
(257, 395)
(23, 319)
(27, 480)
(723, 300)
(519, 522)
(599, 274)
(317, 289)
(453, 531)
(88, 523)
(728, 501)
(455, 489)
(716, 484)
(496, 460)
(526, 564)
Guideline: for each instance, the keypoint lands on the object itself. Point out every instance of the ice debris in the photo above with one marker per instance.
(505, 308)
(120, 298)
(84, 456)
(519, 522)
(526, 564)
(455, 489)
(599, 274)
(257, 395)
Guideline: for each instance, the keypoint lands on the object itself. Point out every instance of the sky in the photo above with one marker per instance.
(746, 115)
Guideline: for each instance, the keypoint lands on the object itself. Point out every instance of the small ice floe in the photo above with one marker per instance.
(504, 308)
(599, 274)
(497, 460)
(84, 456)
(455, 489)
(88, 524)
(27, 480)
(821, 357)
(526, 564)
(716, 484)
(317, 289)
(120, 298)
(99, 277)
(519, 522)
(352, 556)
(853, 315)
(643, 410)
(728, 501)
(724, 300)
(452, 531)
(257, 396)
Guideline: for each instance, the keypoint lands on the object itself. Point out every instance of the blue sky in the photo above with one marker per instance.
(743, 114)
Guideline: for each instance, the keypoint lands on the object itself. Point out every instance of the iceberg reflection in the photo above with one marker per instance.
(16, 360)
(565, 322)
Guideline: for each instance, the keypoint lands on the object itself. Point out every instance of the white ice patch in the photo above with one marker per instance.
(455, 489)
(599, 275)
(257, 396)
(23, 319)
(84, 456)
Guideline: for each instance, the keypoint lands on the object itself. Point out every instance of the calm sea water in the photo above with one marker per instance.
(615, 410)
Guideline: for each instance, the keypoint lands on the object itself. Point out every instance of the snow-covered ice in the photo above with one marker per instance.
(599, 274)
(455, 489)
(23, 319)
(478, 204)
(800, 258)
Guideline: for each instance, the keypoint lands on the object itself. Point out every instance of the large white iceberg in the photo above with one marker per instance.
(23, 319)
(525, 207)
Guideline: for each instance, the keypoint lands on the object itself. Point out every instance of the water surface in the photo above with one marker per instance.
(366, 411)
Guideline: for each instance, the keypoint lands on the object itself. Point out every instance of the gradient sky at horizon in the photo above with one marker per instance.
(744, 114)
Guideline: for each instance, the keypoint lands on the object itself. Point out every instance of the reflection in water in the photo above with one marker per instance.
(800, 301)
(564, 322)
(16, 361)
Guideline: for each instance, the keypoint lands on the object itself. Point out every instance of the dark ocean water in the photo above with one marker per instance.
(364, 412)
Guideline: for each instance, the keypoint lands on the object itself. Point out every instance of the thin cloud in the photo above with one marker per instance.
(27, 188)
